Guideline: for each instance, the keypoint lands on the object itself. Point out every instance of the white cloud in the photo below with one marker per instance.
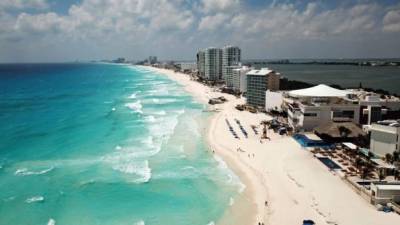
(212, 22)
(21, 4)
(143, 26)
(219, 5)
(38, 23)
(105, 20)
(288, 22)
(391, 21)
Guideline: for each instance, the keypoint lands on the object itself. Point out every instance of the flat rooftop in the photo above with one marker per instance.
(261, 72)
(387, 187)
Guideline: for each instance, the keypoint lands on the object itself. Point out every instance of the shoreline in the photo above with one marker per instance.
(295, 185)
(253, 189)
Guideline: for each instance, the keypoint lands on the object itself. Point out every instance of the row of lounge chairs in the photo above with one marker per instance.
(241, 128)
(344, 159)
(231, 129)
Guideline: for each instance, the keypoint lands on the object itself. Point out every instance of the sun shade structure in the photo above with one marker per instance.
(339, 130)
(320, 90)
(350, 145)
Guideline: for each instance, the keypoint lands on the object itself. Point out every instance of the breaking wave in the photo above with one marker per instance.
(135, 106)
(134, 95)
(26, 172)
(51, 222)
(141, 222)
(141, 169)
(35, 199)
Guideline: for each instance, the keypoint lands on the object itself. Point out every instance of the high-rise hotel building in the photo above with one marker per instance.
(231, 57)
(201, 63)
(258, 82)
(216, 64)
(213, 64)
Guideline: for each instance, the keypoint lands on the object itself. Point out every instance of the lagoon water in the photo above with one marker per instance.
(386, 78)
(105, 144)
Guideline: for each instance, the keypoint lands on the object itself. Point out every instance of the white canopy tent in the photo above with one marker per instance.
(350, 145)
(320, 90)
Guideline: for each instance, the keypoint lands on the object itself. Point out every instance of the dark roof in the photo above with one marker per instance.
(339, 130)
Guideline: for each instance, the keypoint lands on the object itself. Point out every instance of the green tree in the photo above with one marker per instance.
(358, 163)
(381, 174)
(389, 158)
(344, 131)
(397, 174)
(396, 156)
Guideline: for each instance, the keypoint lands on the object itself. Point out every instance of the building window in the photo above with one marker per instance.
(310, 114)
(344, 114)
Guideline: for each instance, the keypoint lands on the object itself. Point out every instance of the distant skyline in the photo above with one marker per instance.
(57, 31)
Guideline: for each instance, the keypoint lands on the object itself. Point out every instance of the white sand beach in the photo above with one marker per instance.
(278, 171)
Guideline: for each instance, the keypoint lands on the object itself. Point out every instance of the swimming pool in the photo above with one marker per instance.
(329, 163)
(304, 141)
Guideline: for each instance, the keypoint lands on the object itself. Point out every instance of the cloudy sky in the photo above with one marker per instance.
(54, 30)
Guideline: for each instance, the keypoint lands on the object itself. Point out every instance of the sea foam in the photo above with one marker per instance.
(150, 119)
(135, 106)
(232, 178)
(141, 222)
(161, 113)
(141, 169)
(51, 222)
(26, 172)
(35, 199)
(134, 95)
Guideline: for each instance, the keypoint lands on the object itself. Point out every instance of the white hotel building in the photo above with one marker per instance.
(213, 64)
(385, 137)
(239, 79)
(258, 82)
(310, 107)
(231, 56)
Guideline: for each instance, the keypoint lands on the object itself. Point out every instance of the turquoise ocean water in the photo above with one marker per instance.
(105, 144)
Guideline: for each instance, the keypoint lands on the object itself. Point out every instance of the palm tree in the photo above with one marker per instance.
(396, 156)
(370, 155)
(265, 123)
(389, 158)
(381, 174)
(366, 169)
(344, 131)
(358, 163)
(397, 174)
(364, 172)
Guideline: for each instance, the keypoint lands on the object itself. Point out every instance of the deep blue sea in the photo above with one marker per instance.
(105, 144)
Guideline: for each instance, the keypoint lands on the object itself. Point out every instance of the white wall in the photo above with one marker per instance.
(383, 142)
(273, 100)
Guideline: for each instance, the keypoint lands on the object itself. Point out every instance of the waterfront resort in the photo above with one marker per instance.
(351, 134)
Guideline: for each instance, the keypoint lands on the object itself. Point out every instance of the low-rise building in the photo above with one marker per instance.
(375, 107)
(311, 107)
(385, 137)
(152, 60)
(258, 82)
(385, 193)
(187, 66)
